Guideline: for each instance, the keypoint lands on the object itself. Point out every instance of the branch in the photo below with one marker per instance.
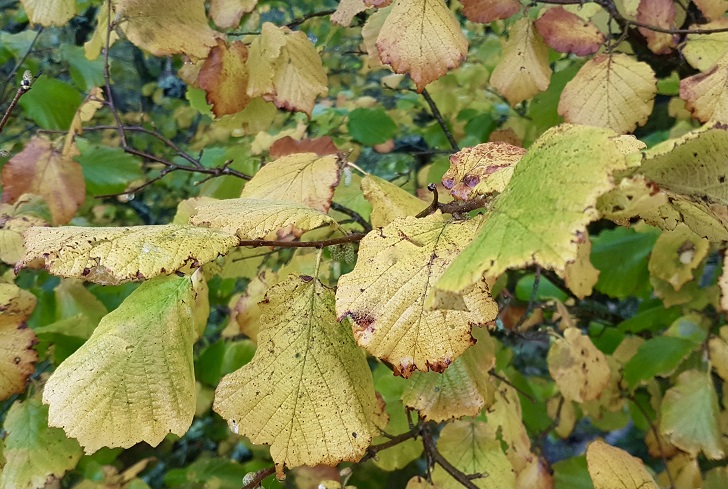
(431, 450)
(256, 243)
(531, 300)
(25, 86)
(258, 477)
(309, 16)
(438, 116)
(19, 64)
(355, 216)
(456, 207)
(373, 450)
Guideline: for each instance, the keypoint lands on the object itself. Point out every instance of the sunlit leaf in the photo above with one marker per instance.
(224, 76)
(389, 202)
(385, 295)
(580, 370)
(524, 69)
(614, 91)
(308, 391)
(133, 379)
(111, 256)
(613, 468)
(34, 452)
(486, 11)
(658, 13)
(17, 356)
(423, 39)
(49, 12)
(689, 415)
(566, 32)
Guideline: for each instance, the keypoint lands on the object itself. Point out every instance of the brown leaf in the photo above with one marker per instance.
(287, 145)
(43, 170)
(17, 356)
(224, 76)
(486, 11)
(706, 94)
(569, 33)
(658, 13)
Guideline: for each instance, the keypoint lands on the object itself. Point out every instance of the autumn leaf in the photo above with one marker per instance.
(566, 32)
(49, 12)
(98, 40)
(133, 379)
(580, 275)
(305, 178)
(634, 196)
(676, 255)
(287, 145)
(614, 91)
(486, 11)
(166, 27)
(689, 415)
(389, 202)
(658, 13)
(111, 256)
(423, 39)
(613, 468)
(346, 11)
(580, 370)
(524, 69)
(224, 76)
(702, 51)
(481, 169)
(718, 348)
(43, 170)
(226, 14)
(463, 389)
(706, 94)
(308, 391)
(505, 418)
(723, 283)
(17, 356)
(29, 210)
(535, 223)
(34, 452)
(385, 295)
(370, 32)
(285, 68)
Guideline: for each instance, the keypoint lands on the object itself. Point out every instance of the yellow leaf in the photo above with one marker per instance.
(718, 347)
(224, 76)
(423, 39)
(461, 390)
(29, 210)
(49, 12)
(505, 419)
(486, 11)
(226, 14)
(580, 275)
(706, 94)
(418, 482)
(165, 27)
(97, 42)
(711, 9)
(481, 169)
(676, 255)
(580, 370)
(370, 32)
(346, 11)
(17, 356)
(532, 222)
(614, 91)
(702, 51)
(133, 380)
(308, 391)
(305, 178)
(111, 256)
(635, 196)
(385, 295)
(259, 219)
(613, 468)
(723, 283)
(524, 69)
(286, 69)
(389, 202)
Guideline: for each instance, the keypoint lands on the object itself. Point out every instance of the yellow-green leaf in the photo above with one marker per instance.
(385, 295)
(461, 390)
(133, 380)
(614, 91)
(422, 38)
(524, 68)
(634, 196)
(259, 219)
(34, 452)
(689, 416)
(389, 202)
(613, 468)
(706, 94)
(305, 178)
(49, 12)
(506, 418)
(702, 51)
(718, 348)
(111, 256)
(308, 391)
(29, 210)
(17, 356)
(541, 216)
(580, 370)
(676, 255)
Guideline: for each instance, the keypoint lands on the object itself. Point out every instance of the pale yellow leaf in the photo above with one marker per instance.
(49, 12)
(524, 69)
(423, 39)
(385, 295)
(580, 275)
(706, 94)
(308, 391)
(165, 27)
(29, 210)
(702, 51)
(389, 202)
(346, 11)
(226, 14)
(613, 468)
(114, 255)
(17, 356)
(133, 380)
(418, 482)
(614, 91)
(536, 475)
(676, 254)
(370, 33)
(580, 370)
(92, 48)
(712, 9)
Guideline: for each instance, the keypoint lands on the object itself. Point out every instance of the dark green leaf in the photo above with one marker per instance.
(658, 356)
(371, 126)
(108, 170)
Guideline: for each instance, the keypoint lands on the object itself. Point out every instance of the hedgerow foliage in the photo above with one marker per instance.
(366, 244)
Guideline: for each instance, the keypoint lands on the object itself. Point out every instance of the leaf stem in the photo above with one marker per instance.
(438, 116)
(435, 456)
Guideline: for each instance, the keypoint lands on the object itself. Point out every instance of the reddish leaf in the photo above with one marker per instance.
(43, 170)
(287, 145)
(658, 13)
(485, 11)
(569, 33)
(224, 76)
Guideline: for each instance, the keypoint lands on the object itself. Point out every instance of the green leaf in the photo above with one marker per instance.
(209, 472)
(85, 74)
(133, 379)
(572, 473)
(51, 103)
(34, 451)
(371, 126)
(546, 289)
(657, 356)
(107, 170)
(651, 316)
(689, 416)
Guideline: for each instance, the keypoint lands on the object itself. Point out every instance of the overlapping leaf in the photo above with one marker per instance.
(224, 76)
(346, 11)
(711, 9)
(308, 391)
(658, 13)
(541, 216)
(17, 356)
(614, 91)
(613, 468)
(706, 94)
(389, 202)
(580, 370)
(29, 210)
(226, 14)
(423, 39)
(114, 255)
(524, 68)
(702, 51)
(385, 295)
(487, 11)
(676, 255)
(133, 380)
(49, 12)
(505, 418)
(566, 32)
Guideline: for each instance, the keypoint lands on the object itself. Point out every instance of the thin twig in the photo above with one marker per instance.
(433, 454)
(433, 206)
(510, 384)
(256, 243)
(373, 450)
(20, 62)
(258, 478)
(312, 15)
(25, 86)
(656, 434)
(438, 116)
(355, 216)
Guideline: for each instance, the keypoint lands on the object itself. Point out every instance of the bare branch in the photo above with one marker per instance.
(438, 116)
(258, 477)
